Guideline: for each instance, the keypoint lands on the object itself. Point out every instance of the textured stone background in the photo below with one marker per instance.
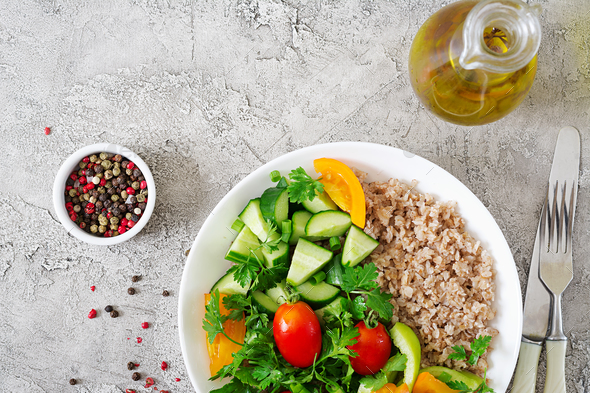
(205, 92)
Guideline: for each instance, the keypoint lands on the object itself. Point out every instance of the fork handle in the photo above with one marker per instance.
(555, 378)
(526, 370)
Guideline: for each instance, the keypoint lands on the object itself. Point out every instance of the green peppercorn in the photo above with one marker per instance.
(102, 220)
(124, 194)
(114, 227)
(77, 208)
(94, 228)
(102, 229)
(116, 170)
(115, 232)
(92, 199)
(114, 220)
(103, 156)
(108, 184)
(116, 164)
(100, 175)
(128, 216)
(73, 192)
(114, 197)
(129, 172)
(108, 174)
(93, 158)
(86, 196)
(106, 164)
(98, 161)
(82, 164)
(101, 190)
(140, 198)
(135, 185)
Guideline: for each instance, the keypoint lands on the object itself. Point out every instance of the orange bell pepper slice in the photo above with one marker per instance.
(343, 187)
(427, 383)
(391, 388)
(222, 350)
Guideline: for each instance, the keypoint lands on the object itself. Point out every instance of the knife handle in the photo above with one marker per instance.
(555, 378)
(526, 370)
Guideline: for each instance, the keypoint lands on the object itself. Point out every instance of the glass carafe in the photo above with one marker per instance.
(472, 63)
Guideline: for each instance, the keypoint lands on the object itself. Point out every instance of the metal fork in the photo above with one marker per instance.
(556, 271)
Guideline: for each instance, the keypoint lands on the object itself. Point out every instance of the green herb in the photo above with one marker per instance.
(275, 176)
(335, 244)
(213, 322)
(378, 380)
(478, 348)
(459, 353)
(271, 242)
(459, 385)
(303, 187)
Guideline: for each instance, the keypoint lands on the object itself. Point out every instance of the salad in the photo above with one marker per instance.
(299, 311)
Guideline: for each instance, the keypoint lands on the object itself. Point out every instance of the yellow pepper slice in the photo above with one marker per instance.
(391, 388)
(343, 187)
(222, 350)
(427, 383)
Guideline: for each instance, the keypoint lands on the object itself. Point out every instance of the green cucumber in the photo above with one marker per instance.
(300, 219)
(327, 224)
(334, 271)
(229, 286)
(267, 304)
(277, 257)
(318, 295)
(278, 294)
(357, 246)
(320, 203)
(244, 247)
(308, 259)
(252, 217)
(274, 205)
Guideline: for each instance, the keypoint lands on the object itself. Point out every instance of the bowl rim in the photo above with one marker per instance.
(59, 198)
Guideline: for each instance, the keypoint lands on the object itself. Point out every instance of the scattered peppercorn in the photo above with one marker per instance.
(130, 366)
(108, 308)
(136, 376)
(145, 325)
(92, 314)
(164, 366)
(129, 391)
(165, 293)
(47, 132)
(149, 382)
(134, 278)
(73, 381)
(114, 314)
(131, 291)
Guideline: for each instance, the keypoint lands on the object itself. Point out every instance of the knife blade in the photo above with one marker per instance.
(537, 299)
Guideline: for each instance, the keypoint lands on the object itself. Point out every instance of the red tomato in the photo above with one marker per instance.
(373, 348)
(297, 333)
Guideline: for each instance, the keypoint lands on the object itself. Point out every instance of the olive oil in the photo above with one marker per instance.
(451, 90)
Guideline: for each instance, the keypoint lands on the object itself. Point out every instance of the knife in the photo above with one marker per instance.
(537, 300)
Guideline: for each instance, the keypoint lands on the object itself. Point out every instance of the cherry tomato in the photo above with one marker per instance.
(297, 332)
(373, 348)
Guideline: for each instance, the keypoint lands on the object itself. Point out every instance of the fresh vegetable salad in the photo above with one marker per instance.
(298, 312)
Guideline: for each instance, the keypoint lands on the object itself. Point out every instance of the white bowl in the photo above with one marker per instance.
(206, 264)
(68, 167)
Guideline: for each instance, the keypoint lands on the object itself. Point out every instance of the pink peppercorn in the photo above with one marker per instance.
(124, 222)
(139, 340)
(103, 182)
(92, 314)
(82, 180)
(68, 188)
(164, 391)
(145, 325)
(90, 186)
(109, 215)
(164, 366)
(47, 130)
(73, 216)
(130, 191)
(92, 288)
(177, 379)
(86, 159)
(148, 382)
(130, 224)
(73, 176)
(143, 184)
(121, 229)
(69, 206)
(131, 165)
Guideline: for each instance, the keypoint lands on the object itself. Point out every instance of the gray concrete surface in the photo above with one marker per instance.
(205, 92)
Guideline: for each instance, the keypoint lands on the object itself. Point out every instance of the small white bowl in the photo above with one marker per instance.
(59, 186)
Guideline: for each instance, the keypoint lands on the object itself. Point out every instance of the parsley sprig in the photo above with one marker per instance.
(303, 187)
(214, 320)
(378, 380)
(478, 348)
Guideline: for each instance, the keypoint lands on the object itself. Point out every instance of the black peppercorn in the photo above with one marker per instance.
(73, 381)
(117, 158)
(116, 211)
(107, 204)
(124, 164)
(130, 366)
(136, 377)
(98, 169)
(123, 207)
(90, 172)
(135, 278)
(108, 308)
(135, 218)
(136, 172)
(140, 178)
(141, 205)
(165, 293)
(102, 197)
(131, 291)
(114, 314)
(133, 199)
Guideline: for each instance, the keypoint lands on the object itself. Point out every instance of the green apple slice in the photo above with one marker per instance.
(407, 342)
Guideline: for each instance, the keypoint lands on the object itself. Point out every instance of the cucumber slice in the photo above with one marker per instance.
(229, 286)
(278, 294)
(300, 219)
(327, 224)
(334, 271)
(320, 203)
(277, 257)
(357, 246)
(318, 295)
(240, 249)
(274, 205)
(308, 259)
(252, 217)
(265, 302)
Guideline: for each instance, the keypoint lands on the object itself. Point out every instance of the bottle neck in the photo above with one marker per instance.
(500, 36)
